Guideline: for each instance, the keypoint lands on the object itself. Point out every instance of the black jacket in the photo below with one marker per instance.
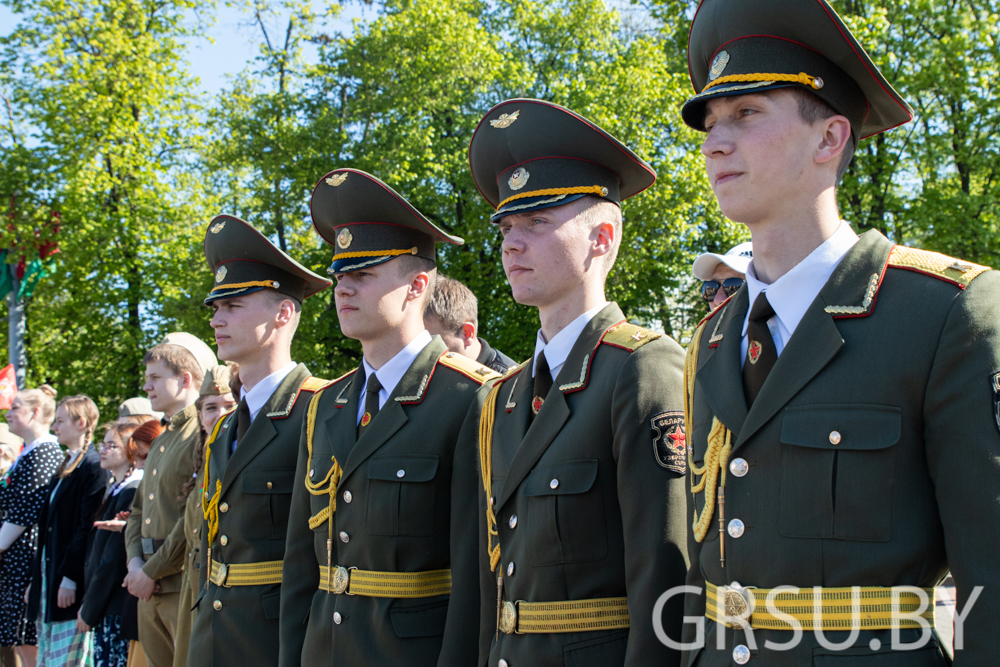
(494, 359)
(106, 565)
(63, 527)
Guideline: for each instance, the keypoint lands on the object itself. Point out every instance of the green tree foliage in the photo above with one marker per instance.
(101, 130)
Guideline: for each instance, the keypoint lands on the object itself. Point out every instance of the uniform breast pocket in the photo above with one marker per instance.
(268, 496)
(838, 465)
(565, 513)
(401, 496)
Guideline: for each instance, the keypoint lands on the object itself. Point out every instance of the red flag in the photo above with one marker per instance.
(8, 387)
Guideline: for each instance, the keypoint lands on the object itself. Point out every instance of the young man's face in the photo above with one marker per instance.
(759, 155)
(545, 254)
(243, 324)
(371, 301)
(164, 387)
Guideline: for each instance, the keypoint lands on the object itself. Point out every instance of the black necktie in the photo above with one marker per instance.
(371, 403)
(242, 421)
(761, 352)
(543, 382)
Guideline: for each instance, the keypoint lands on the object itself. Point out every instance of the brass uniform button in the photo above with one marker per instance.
(224, 507)
(151, 496)
(154, 471)
(834, 437)
(224, 540)
(510, 569)
(269, 485)
(348, 497)
(344, 537)
(741, 655)
(739, 467)
(337, 618)
(554, 484)
(217, 605)
(147, 521)
(736, 528)
(513, 522)
(161, 448)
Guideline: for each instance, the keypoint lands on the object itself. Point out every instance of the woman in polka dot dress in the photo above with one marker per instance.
(22, 493)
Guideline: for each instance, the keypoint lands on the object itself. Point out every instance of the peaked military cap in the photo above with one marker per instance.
(368, 223)
(737, 47)
(530, 154)
(245, 261)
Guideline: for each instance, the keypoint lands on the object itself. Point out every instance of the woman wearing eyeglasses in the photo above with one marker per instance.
(722, 275)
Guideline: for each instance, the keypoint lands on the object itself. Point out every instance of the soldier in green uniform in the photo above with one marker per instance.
(215, 399)
(384, 508)
(582, 512)
(844, 431)
(250, 456)
(154, 536)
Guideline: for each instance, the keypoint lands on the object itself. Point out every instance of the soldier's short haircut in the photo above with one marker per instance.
(177, 359)
(408, 265)
(590, 210)
(453, 304)
(277, 297)
(813, 109)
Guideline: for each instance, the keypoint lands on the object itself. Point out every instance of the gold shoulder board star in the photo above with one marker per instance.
(337, 179)
(505, 119)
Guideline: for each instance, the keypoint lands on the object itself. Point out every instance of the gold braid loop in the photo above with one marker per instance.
(327, 485)
(486, 468)
(210, 507)
(720, 444)
(375, 253)
(252, 283)
(805, 79)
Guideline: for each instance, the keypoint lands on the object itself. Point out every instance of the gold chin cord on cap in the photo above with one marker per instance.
(720, 444)
(813, 82)
(327, 485)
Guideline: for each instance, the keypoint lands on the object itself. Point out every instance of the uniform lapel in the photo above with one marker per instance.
(719, 371)
(342, 426)
(262, 430)
(554, 413)
(515, 395)
(391, 416)
(817, 339)
(222, 448)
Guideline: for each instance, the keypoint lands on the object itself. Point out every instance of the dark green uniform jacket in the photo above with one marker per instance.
(238, 625)
(597, 488)
(900, 357)
(422, 520)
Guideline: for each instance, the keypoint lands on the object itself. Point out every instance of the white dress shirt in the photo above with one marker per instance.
(558, 349)
(262, 391)
(393, 370)
(791, 295)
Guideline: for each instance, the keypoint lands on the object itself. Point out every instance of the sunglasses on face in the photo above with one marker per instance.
(730, 286)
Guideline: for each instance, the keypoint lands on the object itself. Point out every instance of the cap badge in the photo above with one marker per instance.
(518, 179)
(718, 64)
(505, 120)
(345, 237)
(220, 274)
(336, 180)
(217, 227)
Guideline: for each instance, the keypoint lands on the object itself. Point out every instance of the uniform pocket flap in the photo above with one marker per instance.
(842, 426)
(404, 469)
(278, 480)
(561, 479)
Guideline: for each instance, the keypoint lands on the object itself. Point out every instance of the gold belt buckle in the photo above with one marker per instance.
(508, 618)
(223, 575)
(341, 579)
(739, 605)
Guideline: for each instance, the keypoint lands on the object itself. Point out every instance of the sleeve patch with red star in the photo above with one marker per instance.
(669, 441)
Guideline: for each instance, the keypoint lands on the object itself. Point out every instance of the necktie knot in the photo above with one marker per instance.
(373, 384)
(762, 310)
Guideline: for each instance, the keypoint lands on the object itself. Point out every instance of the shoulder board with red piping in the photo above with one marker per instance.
(313, 383)
(468, 367)
(512, 371)
(330, 383)
(628, 336)
(942, 267)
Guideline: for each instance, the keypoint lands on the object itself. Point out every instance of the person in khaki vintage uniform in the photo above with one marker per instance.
(384, 509)
(250, 456)
(214, 400)
(844, 425)
(154, 536)
(582, 521)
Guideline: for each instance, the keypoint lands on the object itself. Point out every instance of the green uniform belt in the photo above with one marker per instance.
(878, 608)
(246, 574)
(518, 618)
(384, 584)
